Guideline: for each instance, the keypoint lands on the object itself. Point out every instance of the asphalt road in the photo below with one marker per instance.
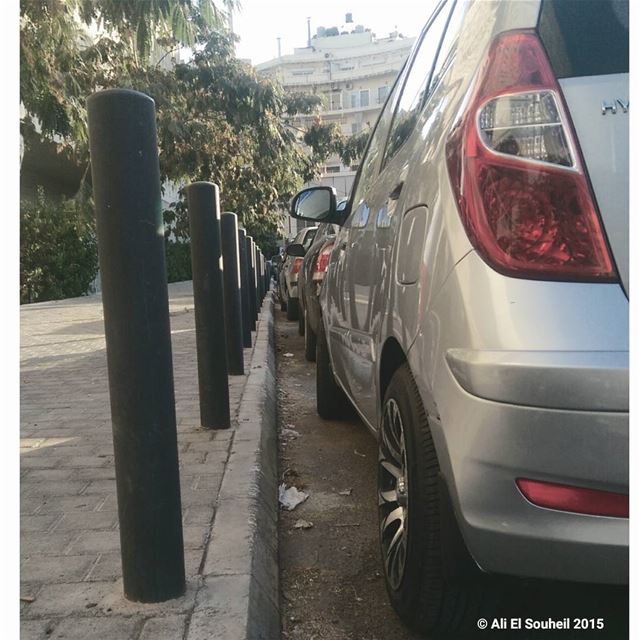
(331, 575)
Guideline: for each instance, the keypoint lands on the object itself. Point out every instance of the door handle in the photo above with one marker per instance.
(397, 190)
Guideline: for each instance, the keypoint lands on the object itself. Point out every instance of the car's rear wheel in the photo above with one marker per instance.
(331, 401)
(310, 340)
(409, 506)
(283, 304)
(292, 308)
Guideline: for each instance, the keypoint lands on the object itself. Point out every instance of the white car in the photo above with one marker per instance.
(288, 276)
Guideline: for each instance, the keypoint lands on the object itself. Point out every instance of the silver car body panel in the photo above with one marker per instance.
(604, 141)
(520, 378)
(594, 380)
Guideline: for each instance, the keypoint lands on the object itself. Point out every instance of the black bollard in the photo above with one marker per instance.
(244, 288)
(126, 191)
(258, 276)
(265, 277)
(232, 300)
(208, 297)
(256, 272)
(251, 262)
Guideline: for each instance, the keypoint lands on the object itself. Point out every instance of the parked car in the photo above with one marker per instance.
(475, 305)
(288, 276)
(276, 263)
(310, 277)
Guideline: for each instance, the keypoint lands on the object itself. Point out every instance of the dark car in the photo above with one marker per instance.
(310, 279)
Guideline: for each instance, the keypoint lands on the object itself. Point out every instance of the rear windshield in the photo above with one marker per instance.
(586, 37)
(308, 241)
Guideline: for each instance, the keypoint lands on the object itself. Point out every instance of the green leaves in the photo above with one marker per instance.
(216, 119)
(58, 252)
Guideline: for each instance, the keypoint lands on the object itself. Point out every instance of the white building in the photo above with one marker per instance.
(352, 71)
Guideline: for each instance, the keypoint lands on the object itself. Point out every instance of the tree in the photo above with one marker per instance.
(58, 253)
(216, 119)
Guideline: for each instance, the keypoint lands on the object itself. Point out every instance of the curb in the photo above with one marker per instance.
(239, 599)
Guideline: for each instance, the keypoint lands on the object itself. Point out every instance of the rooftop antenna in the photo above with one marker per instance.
(308, 31)
(279, 50)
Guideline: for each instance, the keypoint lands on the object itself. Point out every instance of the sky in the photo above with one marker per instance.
(260, 22)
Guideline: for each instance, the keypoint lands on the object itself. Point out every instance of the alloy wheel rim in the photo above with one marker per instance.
(393, 494)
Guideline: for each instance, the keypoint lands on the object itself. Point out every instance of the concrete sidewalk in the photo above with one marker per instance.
(70, 560)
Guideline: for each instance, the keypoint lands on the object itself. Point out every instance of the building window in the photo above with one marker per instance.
(355, 127)
(354, 100)
(382, 94)
(332, 169)
(364, 98)
(336, 101)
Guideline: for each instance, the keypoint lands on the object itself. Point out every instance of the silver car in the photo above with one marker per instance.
(475, 306)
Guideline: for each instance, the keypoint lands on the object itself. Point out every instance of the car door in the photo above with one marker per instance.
(349, 270)
(370, 259)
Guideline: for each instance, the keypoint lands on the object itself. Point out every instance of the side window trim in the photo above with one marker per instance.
(432, 19)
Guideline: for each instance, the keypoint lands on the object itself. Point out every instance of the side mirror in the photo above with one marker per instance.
(296, 250)
(317, 204)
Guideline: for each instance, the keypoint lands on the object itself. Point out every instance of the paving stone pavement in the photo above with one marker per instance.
(70, 572)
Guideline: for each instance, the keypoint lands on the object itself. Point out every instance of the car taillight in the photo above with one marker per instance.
(518, 175)
(564, 497)
(322, 261)
(297, 263)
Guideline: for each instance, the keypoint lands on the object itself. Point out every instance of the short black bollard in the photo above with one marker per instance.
(251, 262)
(204, 222)
(244, 288)
(262, 291)
(232, 300)
(258, 276)
(265, 276)
(256, 253)
(126, 191)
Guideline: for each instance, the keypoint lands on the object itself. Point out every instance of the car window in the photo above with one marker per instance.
(308, 240)
(586, 38)
(369, 165)
(414, 91)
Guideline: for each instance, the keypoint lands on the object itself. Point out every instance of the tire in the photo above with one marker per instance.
(301, 314)
(413, 566)
(331, 401)
(283, 304)
(310, 340)
(292, 309)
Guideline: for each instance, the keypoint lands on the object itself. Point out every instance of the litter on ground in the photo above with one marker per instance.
(290, 498)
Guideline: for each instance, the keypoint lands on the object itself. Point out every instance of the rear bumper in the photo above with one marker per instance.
(588, 381)
(484, 446)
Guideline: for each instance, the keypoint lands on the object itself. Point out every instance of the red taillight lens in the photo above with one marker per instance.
(322, 261)
(575, 499)
(297, 263)
(517, 174)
